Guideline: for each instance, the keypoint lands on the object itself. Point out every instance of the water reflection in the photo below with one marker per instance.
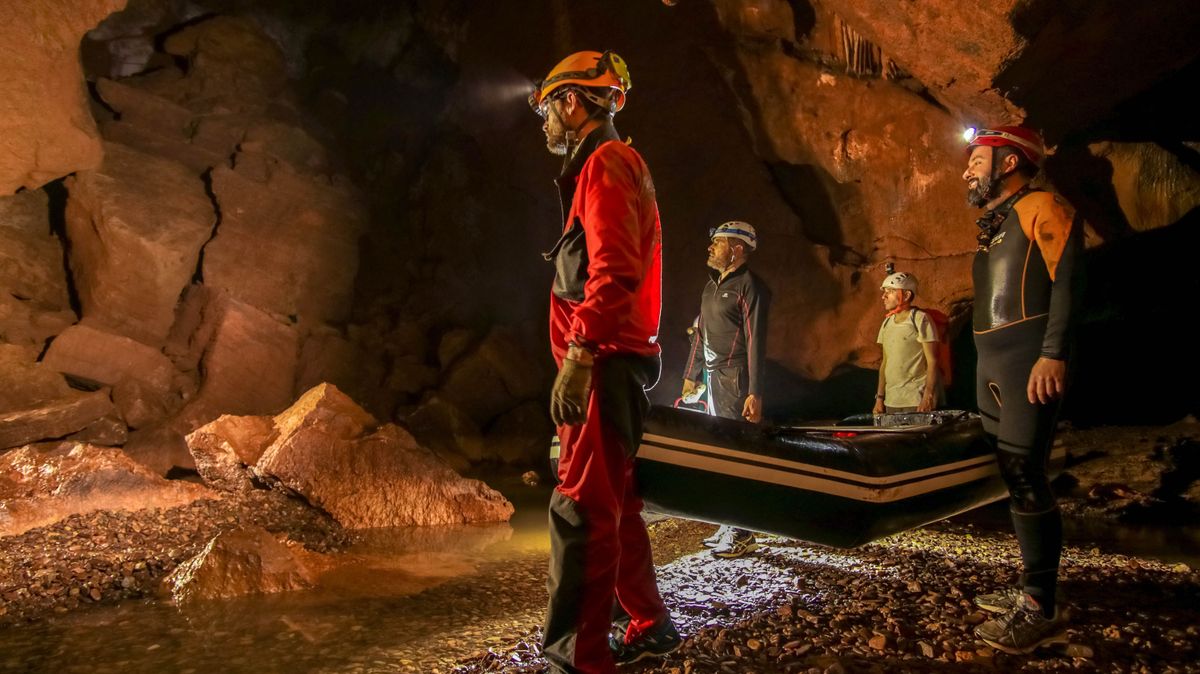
(399, 600)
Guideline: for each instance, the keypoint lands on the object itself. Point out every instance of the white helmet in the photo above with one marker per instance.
(900, 281)
(735, 229)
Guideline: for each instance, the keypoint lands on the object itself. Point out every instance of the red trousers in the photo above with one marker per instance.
(599, 548)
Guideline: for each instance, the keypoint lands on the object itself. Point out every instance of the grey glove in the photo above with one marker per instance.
(569, 396)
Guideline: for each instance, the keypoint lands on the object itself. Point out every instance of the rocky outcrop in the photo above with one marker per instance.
(46, 130)
(521, 437)
(248, 362)
(99, 357)
(331, 452)
(492, 378)
(225, 449)
(447, 430)
(287, 243)
(40, 487)
(34, 304)
(1153, 186)
(37, 404)
(243, 562)
(136, 224)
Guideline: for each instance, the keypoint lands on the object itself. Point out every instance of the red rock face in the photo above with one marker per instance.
(46, 130)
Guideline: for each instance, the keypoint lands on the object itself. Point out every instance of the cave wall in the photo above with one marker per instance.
(265, 196)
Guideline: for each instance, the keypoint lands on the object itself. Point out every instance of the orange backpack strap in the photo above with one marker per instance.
(941, 326)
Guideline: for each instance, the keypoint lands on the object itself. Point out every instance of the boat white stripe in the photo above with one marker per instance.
(813, 483)
(820, 470)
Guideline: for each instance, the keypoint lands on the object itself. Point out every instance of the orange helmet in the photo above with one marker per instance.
(1026, 141)
(586, 69)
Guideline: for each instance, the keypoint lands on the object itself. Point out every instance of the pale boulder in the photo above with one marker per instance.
(288, 244)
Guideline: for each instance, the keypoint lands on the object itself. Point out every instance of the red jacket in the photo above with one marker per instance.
(608, 285)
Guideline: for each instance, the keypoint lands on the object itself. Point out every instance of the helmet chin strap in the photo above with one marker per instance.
(995, 179)
(571, 135)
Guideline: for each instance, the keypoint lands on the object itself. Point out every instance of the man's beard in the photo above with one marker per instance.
(979, 195)
(557, 144)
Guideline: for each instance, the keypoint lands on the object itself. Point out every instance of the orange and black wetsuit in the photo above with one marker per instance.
(1028, 286)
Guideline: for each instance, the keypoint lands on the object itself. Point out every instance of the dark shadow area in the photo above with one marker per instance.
(804, 190)
(1134, 361)
(1096, 55)
(1086, 181)
(56, 193)
(792, 398)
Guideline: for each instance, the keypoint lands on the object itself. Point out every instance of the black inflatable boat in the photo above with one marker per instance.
(838, 485)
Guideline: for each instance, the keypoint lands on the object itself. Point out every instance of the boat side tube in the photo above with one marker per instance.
(821, 484)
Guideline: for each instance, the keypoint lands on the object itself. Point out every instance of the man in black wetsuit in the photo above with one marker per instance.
(1027, 274)
(732, 331)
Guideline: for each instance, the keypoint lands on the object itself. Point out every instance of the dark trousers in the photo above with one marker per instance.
(727, 391)
(599, 548)
(1022, 434)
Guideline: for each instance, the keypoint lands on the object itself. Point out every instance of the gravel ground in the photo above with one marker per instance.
(903, 604)
(107, 556)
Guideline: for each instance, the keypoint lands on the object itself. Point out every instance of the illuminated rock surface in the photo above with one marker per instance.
(39, 487)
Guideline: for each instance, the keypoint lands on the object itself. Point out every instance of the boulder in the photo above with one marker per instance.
(23, 382)
(453, 344)
(249, 561)
(54, 418)
(99, 357)
(160, 449)
(445, 429)
(521, 436)
(46, 130)
(329, 452)
(153, 124)
(409, 376)
(109, 431)
(141, 404)
(31, 256)
(1154, 187)
(493, 378)
(34, 304)
(232, 64)
(38, 488)
(287, 244)
(136, 224)
(249, 363)
(327, 356)
(225, 449)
